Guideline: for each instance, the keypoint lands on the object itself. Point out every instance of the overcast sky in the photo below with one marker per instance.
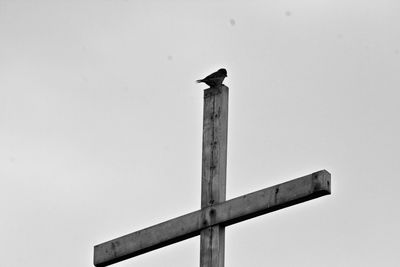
(101, 126)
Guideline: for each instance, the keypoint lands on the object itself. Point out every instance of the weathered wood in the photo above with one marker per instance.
(213, 178)
(226, 213)
(215, 135)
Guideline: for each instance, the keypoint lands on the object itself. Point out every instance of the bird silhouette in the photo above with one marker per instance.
(214, 79)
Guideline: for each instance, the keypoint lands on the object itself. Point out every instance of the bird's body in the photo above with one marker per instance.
(214, 79)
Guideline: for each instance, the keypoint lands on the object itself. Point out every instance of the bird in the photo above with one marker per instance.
(214, 79)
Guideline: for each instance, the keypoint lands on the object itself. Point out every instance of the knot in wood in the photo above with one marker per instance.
(213, 212)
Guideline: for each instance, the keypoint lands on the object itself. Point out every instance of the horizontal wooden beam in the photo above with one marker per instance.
(226, 213)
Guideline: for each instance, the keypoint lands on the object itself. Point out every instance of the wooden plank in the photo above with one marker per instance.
(215, 135)
(213, 178)
(274, 198)
(226, 213)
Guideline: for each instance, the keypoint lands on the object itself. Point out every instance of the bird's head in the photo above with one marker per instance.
(223, 72)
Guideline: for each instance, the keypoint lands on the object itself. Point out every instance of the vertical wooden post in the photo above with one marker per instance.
(213, 180)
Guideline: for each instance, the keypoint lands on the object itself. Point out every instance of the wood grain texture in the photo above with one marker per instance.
(213, 178)
(221, 214)
(215, 135)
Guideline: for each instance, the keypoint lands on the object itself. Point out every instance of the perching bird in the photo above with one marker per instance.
(214, 79)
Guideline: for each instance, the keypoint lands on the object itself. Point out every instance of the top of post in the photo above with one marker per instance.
(215, 90)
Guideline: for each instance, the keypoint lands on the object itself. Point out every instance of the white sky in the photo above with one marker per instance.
(100, 126)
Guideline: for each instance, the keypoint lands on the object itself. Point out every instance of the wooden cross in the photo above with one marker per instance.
(216, 213)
